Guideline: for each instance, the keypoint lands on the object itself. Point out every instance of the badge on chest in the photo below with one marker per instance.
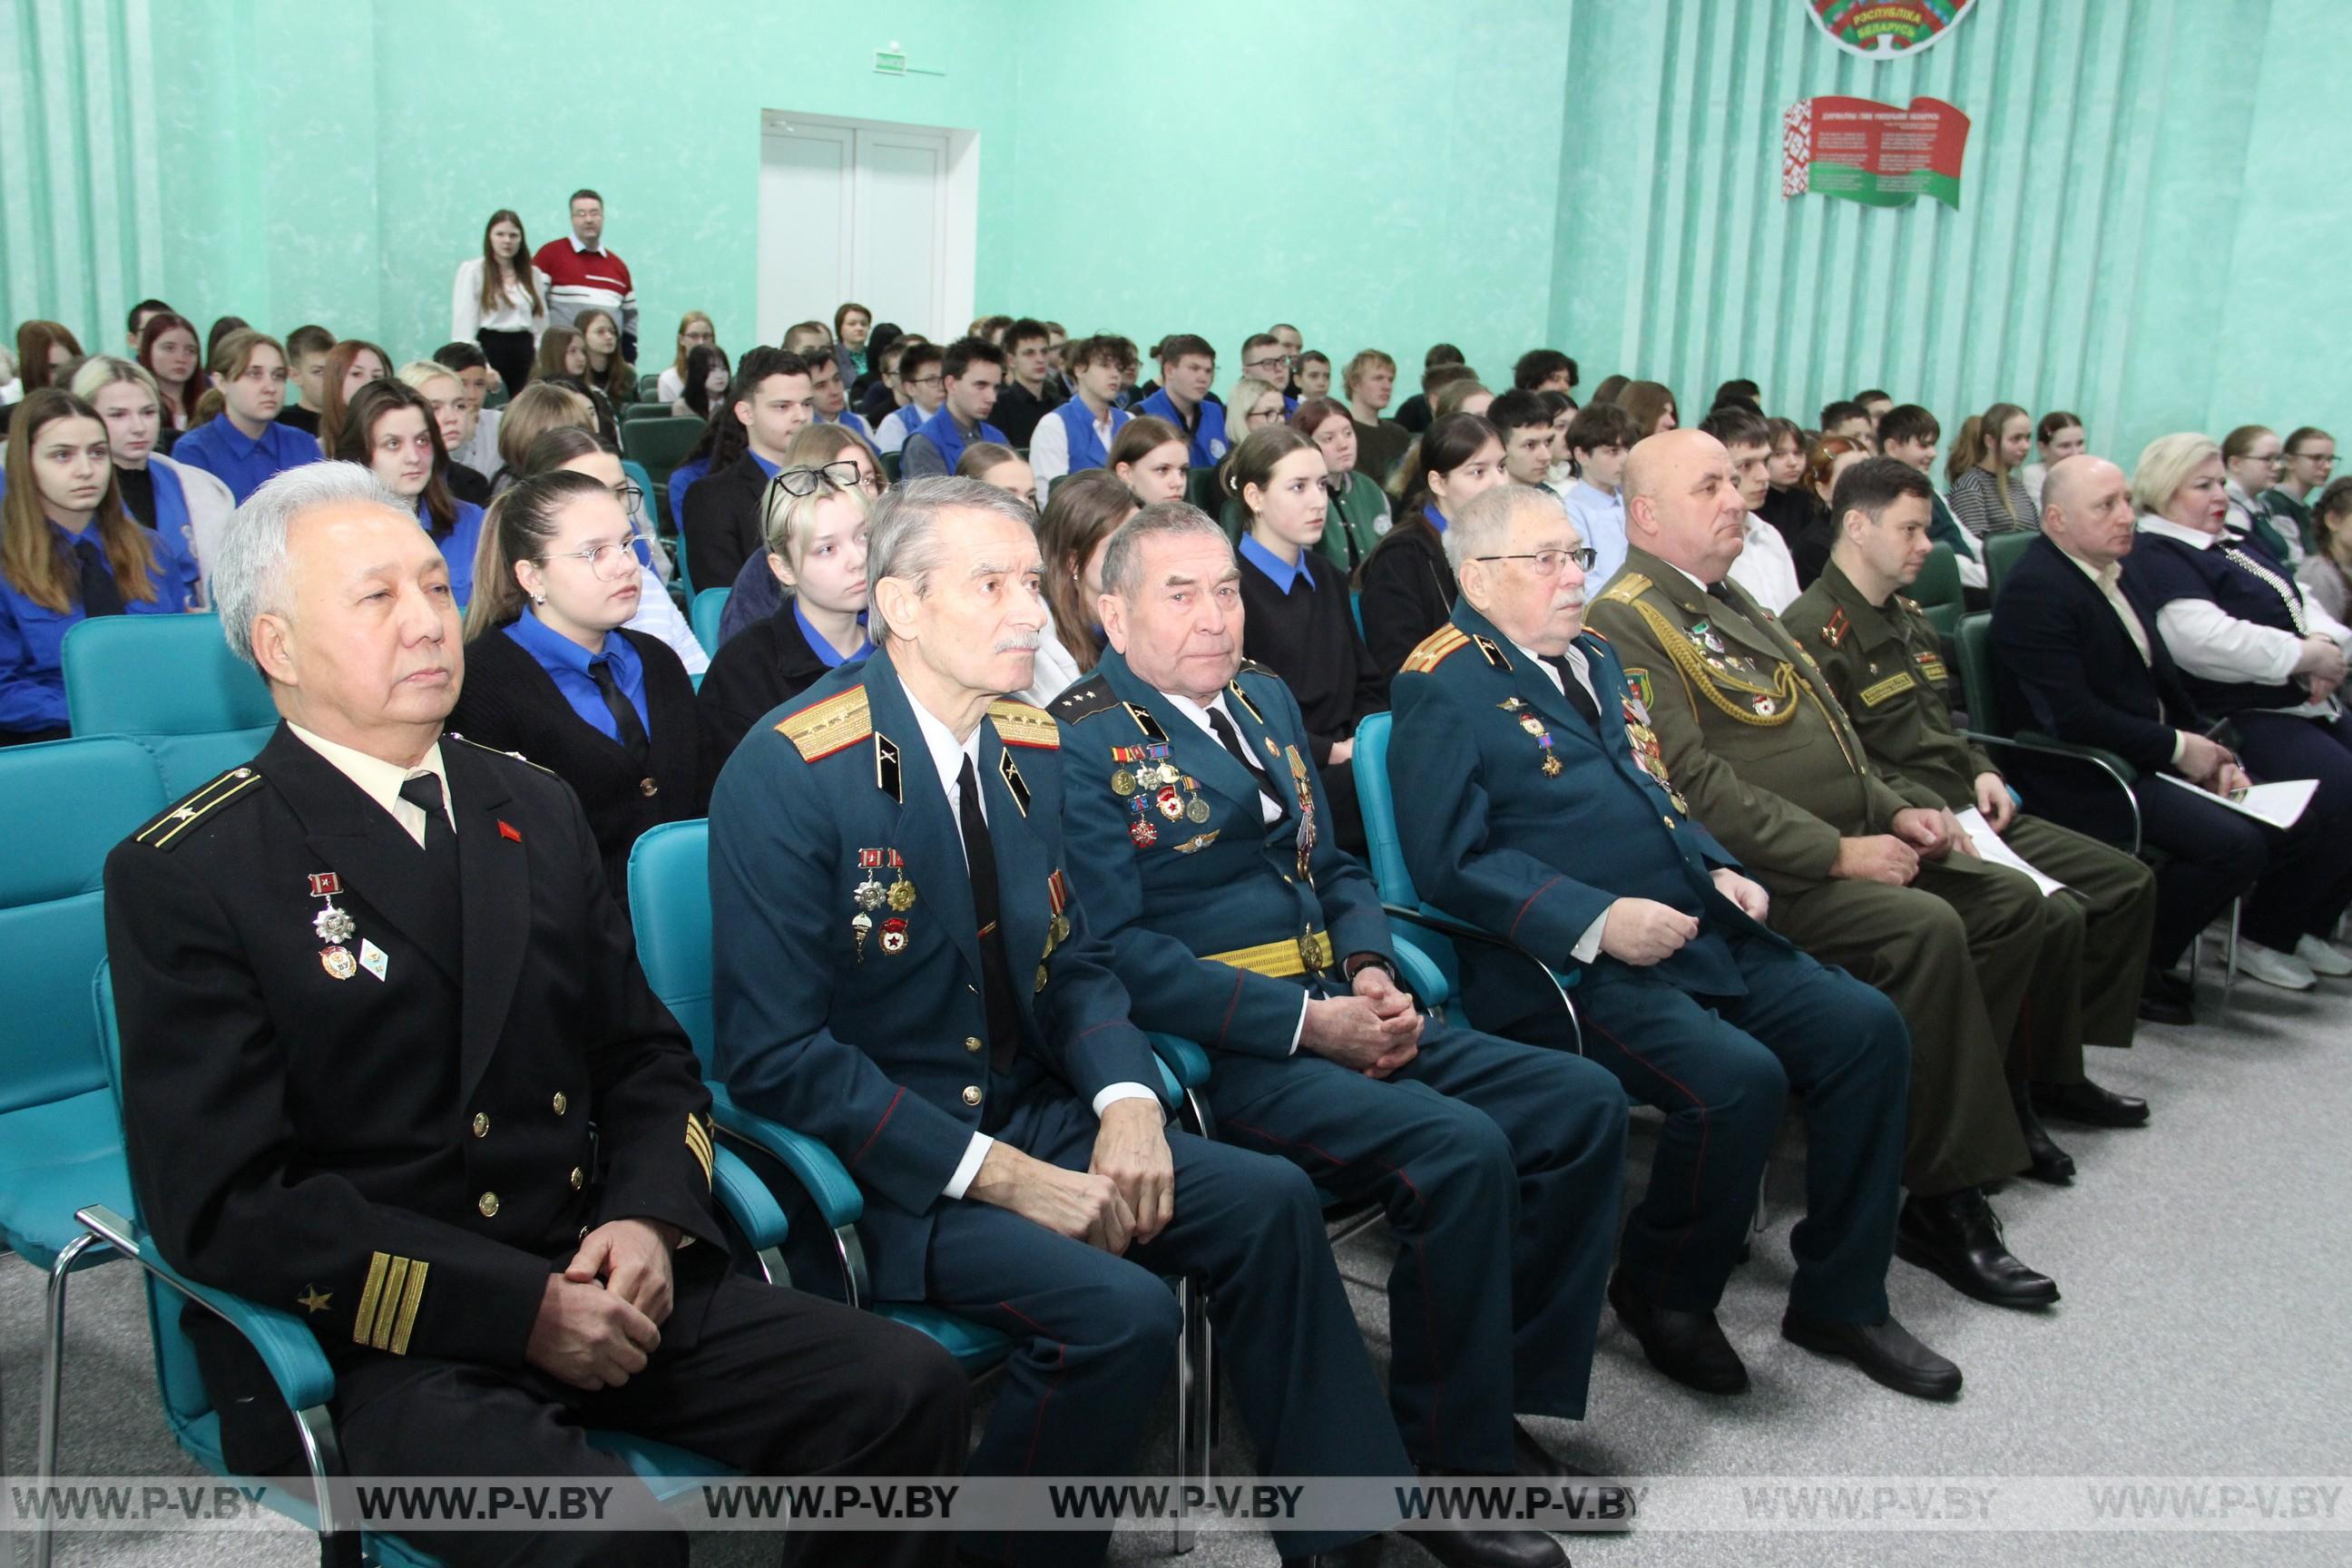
(334, 927)
(872, 895)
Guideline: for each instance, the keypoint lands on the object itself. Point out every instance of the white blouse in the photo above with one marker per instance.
(514, 314)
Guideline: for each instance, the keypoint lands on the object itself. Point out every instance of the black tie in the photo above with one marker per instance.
(440, 880)
(1230, 738)
(979, 856)
(1577, 698)
(629, 728)
(423, 791)
(1721, 596)
(101, 595)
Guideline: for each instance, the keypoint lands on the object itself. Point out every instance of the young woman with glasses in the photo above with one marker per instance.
(820, 457)
(581, 450)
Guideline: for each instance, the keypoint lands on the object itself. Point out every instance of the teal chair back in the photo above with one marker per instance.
(660, 444)
(670, 905)
(170, 683)
(2000, 553)
(1974, 640)
(1378, 804)
(710, 605)
(649, 386)
(640, 475)
(629, 414)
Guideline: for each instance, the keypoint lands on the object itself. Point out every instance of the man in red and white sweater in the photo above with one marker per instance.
(582, 275)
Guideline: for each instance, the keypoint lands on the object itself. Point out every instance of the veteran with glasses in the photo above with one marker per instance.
(555, 674)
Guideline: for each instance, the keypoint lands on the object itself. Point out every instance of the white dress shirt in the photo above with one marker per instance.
(948, 758)
(2108, 579)
(1589, 944)
(1049, 447)
(2213, 644)
(1600, 518)
(670, 387)
(513, 312)
(1765, 567)
(890, 435)
(380, 781)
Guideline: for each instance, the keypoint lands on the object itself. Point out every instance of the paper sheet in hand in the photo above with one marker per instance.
(1991, 847)
(2280, 805)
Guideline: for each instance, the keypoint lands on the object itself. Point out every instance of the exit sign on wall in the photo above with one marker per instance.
(889, 64)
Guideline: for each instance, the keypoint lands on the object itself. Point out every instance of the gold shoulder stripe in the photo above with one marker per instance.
(698, 1143)
(1019, 725)
(161, 833)
(1629, 587)
(823, 728)
(1433, 650)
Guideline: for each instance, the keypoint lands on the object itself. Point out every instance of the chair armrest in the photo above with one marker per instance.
(1417, 969)
(1462, 931)
(747, 1201)
(2121, 772)
(1186, 1061)
(288, 1350)
(828, 1185)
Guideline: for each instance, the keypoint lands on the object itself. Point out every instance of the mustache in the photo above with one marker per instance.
(1021, 642)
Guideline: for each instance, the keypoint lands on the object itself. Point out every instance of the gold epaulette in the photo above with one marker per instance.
(1021, 724)
(823, 728)
(494, 751)
(166, 829)
(1433, 650)
(1629, 587)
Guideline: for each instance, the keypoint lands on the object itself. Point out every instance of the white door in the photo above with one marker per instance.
(863, 210)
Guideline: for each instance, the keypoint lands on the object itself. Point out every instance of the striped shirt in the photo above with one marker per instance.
(1979, 502)
(580, 279)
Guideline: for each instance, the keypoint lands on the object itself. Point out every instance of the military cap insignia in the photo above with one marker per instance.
(1087, 698)
(1020, 724)
(1629, 587)
(1433, 650)
(166, 829)
(821, 729)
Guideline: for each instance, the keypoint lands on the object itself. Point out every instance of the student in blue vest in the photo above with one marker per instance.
(972, 371)
(1540, 809)
(1203, 853)
(67, 553)
(246, 442)
(187, 507)
(1077, 435)
(1187, 367)
(390, 428)
(912, 384)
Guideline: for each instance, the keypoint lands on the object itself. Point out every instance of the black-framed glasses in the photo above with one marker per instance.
(632, 500)
(843, 475)
(1548, 562)
(1263, 368)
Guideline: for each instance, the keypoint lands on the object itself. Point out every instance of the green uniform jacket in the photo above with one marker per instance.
(1750, 729)
(1887, 666)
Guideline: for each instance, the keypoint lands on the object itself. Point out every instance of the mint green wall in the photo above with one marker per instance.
(2148, 223)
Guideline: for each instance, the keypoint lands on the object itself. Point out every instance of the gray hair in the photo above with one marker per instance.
(248, 576)
(1479, 526)
(1122, 568)
(903, 539)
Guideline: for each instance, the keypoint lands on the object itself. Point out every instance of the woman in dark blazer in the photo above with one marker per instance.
(1297, 620)
(1408, 588)
(554, 673)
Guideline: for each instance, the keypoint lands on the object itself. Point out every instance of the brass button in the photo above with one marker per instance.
(972, 1044)
(649, 787)
(489, 1204)
(561, 1104)
(481, 1124)
(579, 1178)
(971, 1094)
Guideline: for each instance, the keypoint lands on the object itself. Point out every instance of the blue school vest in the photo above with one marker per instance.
(1208, 439)
(940, 430)
(1086, 449)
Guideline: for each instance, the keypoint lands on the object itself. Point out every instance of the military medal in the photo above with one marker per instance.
(1763, 705)
(860, 924)
(373, 960)
(1305, 811)
(1197, 809)
(339, 962)
(894, 935)
(1532, 725)
(1141, 830)
(1171, 804)
(333, 924)
(902, 895)
(1122, 782)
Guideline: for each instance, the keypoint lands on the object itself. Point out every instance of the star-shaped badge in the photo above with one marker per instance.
(314, 1299)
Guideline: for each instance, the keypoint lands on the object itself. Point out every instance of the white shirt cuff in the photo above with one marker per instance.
(969, 1166)
(1298, 1030)
(1588, 946)
(1112, 1093)
(2180, 745)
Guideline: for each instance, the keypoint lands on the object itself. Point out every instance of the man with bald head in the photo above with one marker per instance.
(2076, 655)
(1543, 811)
(1860, 877)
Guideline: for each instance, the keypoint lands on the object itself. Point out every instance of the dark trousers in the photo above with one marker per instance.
(2212, 855)
(776, 1383)
(1722, 1068)
(2309, 883)
(510, 354)
(1095, 1336)
(1499, 1166)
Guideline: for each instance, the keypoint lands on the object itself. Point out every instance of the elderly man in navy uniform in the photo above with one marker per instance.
(1543, 811)
(902, 971)
(1197, 836)
(388, 1062)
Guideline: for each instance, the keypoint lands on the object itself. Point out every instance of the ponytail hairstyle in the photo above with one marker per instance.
(1445, 446)
(2054, 421)
(1082, 510)
(1253, 462)
(1978, 445)
(521, 523)
(334, 408)
(493, 294)
(35, 561)
(356, 444)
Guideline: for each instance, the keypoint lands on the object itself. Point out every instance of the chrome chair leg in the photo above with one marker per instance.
(2230, 952)
(53, 1368)
(1187, 1300)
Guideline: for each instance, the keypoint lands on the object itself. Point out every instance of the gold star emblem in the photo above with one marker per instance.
(314, 1299)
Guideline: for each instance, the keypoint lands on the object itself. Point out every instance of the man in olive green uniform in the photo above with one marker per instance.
(1884, 663)
(1860, 877)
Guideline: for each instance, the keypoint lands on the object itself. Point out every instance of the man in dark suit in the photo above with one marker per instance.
(774, 397)
(1542, 810)
(2076, 655)
(389, 1062)
(902, 969)
(1197, 824)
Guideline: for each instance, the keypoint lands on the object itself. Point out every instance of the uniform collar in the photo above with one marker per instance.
(380, 781)
(544, 643)
(1284, 574)
(1873, 624)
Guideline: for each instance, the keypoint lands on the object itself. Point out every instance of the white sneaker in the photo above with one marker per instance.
(2272, 967)
(2323, 958)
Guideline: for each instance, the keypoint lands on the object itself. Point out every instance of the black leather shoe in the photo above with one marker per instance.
(1491, 1548)
(2088, 1103)
(2166, 999)
(1362, 1553)
(1956, 1237)
(1884, 1350)
(2050, 1162)
(1603, 1506)
(2179, 987)
(1688, 1347)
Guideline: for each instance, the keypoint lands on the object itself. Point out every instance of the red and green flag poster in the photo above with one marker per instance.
(1873, 153)
(1881, 29)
